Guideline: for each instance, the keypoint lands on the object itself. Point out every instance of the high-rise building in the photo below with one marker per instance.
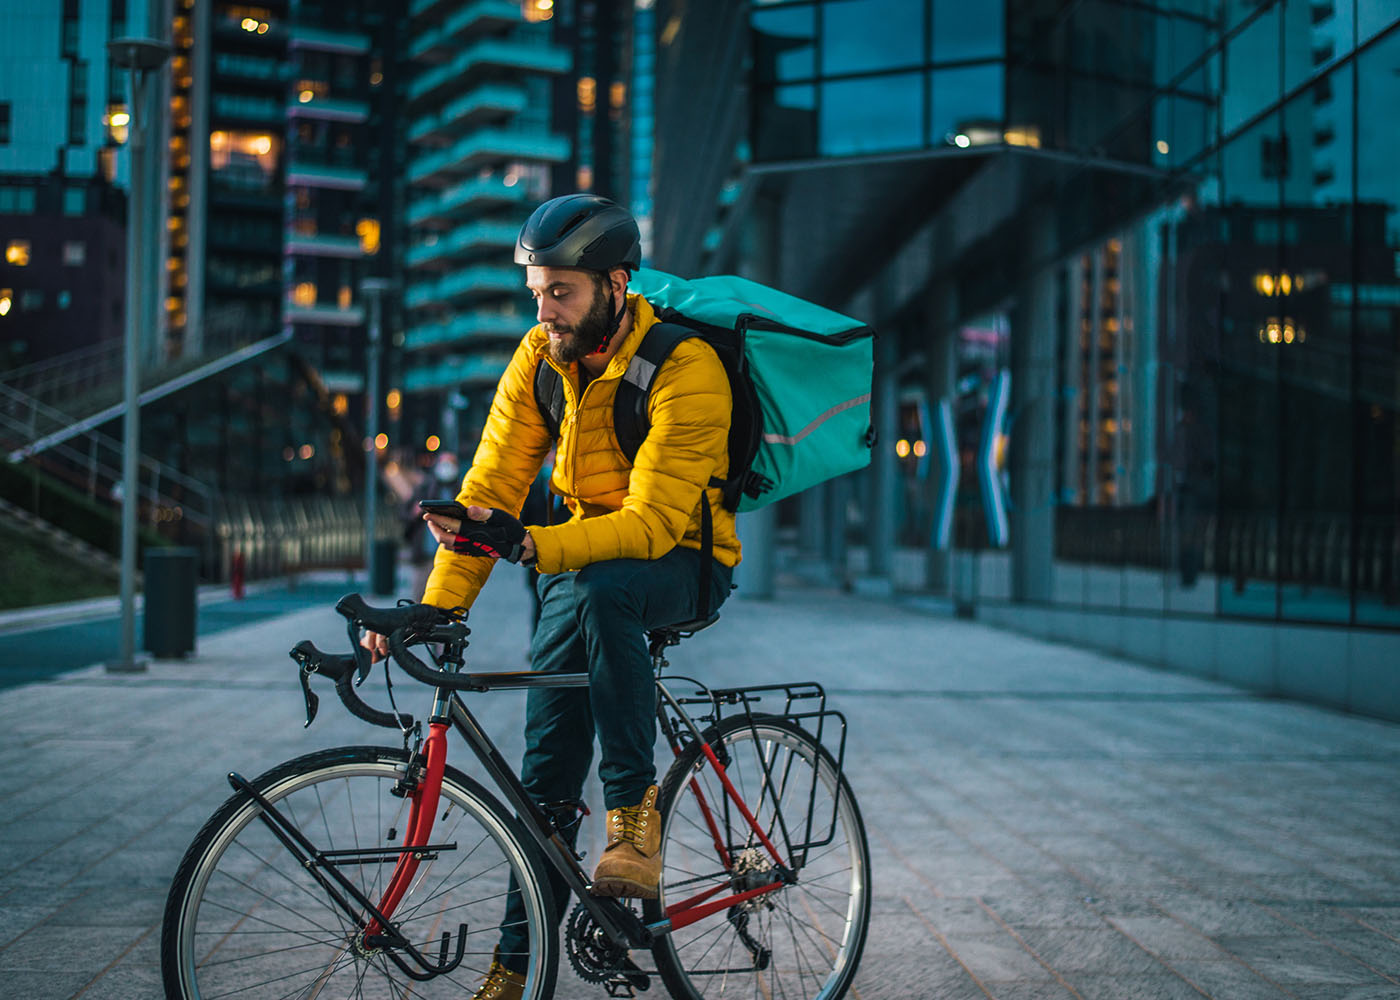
(479, 120)
(63, 117)
(282, 191)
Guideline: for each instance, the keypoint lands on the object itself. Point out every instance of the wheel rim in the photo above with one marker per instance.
(813, 929)
(254, 924)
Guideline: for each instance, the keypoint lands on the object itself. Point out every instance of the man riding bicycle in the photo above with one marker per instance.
(629, 557)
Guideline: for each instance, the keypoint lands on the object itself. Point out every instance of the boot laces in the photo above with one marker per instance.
(629, 825)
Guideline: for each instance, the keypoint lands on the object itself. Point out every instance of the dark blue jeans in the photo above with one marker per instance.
(593, 621)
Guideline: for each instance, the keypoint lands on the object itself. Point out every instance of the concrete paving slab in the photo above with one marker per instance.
(1044, 821)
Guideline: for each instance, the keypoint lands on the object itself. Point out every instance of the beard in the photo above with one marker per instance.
(584, 337)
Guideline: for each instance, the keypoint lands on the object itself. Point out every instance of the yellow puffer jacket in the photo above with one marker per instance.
(620, 511)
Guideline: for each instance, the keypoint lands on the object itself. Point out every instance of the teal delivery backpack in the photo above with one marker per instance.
(800, 376)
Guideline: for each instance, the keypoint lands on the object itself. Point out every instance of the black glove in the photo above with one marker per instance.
(500, 536)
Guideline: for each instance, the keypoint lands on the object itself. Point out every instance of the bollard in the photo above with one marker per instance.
(235, 575)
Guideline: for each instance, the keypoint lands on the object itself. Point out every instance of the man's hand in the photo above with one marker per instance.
(487, 532)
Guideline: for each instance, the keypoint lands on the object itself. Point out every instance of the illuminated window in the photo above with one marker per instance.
(368, 232)
(344, 297)
(7, 300)
(244, 159)
(74, 253)
(17, 253)
(587, 94)
(536, 11)
(304, 294)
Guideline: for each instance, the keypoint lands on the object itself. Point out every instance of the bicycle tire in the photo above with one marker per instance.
(815, 929)
(243, 918)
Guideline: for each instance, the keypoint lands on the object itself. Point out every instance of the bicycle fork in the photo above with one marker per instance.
(377, 932)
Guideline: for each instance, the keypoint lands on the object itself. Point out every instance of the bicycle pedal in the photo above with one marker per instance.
(622, 987)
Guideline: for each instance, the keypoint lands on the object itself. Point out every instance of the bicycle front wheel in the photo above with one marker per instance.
(245, 920)
(801, 941)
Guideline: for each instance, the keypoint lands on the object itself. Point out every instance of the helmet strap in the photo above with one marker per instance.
(616, 322)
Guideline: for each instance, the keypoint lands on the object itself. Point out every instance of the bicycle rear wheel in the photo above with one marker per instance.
(245, 920)
(800, 941)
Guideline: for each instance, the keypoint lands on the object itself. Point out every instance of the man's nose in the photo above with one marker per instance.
(545, 311)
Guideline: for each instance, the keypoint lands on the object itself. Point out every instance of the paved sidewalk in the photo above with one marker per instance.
(1045, 822)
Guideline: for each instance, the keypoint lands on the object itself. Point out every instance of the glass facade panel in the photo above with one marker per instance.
(859, 36)
(962, 31)
(1375, 311)
(871, 114)
(785, 43)
(962, 98)
(1252, 61)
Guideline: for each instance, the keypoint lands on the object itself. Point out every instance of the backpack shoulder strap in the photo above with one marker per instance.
(549, 396)
(630, 409)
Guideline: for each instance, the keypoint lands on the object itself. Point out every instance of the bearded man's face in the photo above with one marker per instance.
(573, 307)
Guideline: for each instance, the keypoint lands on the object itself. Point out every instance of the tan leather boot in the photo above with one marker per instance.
(631, 863)
(500, 983)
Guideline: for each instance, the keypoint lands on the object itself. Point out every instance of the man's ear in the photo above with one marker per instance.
(617, 277)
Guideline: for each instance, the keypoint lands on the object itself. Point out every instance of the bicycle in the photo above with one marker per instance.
(350, 871)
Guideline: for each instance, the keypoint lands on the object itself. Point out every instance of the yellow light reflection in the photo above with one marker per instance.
(433, 443)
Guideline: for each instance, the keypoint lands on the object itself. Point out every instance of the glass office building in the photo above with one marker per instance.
(1138, 268)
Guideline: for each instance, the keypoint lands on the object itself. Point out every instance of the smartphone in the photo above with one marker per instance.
(444, 508)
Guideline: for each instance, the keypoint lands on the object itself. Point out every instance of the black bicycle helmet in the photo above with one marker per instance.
(580, 230)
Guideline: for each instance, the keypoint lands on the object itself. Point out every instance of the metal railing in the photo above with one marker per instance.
(92, 463)
(1316, 550)
(277, 537)
(63, 379)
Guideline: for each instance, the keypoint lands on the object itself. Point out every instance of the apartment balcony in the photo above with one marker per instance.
(301, 36)
(478, 370)
(487, 147)
(502, 55)
(428, 10)
(242, 110)
(439, 43)
(323, 315)
(464, 241)
(493, 102)
(315, 175)
(472, 327)
(317, 245)
(463, 286)
(329, 109)
(350, 383)
(466, 199)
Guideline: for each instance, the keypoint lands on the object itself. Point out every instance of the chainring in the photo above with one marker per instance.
(595, 959)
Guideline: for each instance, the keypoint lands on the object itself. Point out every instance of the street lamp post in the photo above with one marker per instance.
(139, 57)
(373, 289)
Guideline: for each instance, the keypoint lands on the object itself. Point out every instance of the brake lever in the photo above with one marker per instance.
(363, 662)
(312, 702)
